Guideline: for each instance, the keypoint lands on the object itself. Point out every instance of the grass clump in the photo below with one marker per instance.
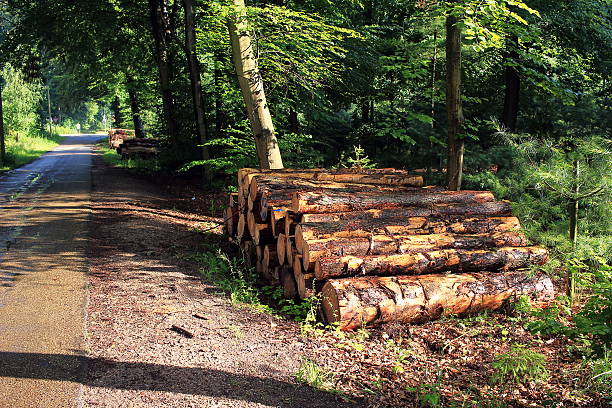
(311, 374)
(28, 147)
(519, 366)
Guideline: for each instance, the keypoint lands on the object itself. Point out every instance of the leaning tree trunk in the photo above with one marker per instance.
(251, 85)
(197, 95)
(453, 103)
(357, 302)
(513, 86)
(135, 107)
(160, 28)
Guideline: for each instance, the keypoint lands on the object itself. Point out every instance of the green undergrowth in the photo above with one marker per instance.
(240, 282)
(28, 147)
(140, 165)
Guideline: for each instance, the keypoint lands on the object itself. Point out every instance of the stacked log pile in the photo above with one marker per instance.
(380, 247)
(138, 147)
(117, 136)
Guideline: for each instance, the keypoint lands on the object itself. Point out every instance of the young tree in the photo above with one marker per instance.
(251, 85)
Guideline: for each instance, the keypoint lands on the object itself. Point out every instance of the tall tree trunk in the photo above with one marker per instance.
(453, 103)
(252, 88)
(2, 145)
(161, 30)
(199, 106)
(294, 124)
(116, 107)
(513, 86)
(135, 106)
(220, 115)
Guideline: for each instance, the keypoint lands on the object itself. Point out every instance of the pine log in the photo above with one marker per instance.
(263, 235)
(449, 260)
(364, 228)
(291, 220)
(259, 253)
(277, 219)
(242, 232)
(231, 220)
(360, 176)
(332, 202)
(291, 253)
(312, 250)
(304, 282)
(358, 302)
(281, 251)
(288, 283)
(270, 260)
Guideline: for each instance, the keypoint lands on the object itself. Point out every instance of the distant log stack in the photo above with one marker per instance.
(117, 136)
(379, 247)
(138, 147)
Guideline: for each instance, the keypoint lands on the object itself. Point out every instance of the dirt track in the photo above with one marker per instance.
(105, 339)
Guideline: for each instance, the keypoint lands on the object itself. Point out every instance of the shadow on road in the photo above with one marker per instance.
(154, 377)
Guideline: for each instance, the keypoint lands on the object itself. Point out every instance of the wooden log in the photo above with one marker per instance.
(259, 253)
(291, 220)
(277, 220)
(312, 250)
(332, 202)
(288, 283)
(365, 301)
(304, 282)
(270, 259)
(242, 232)
(364, 228)
(391, 177)
(281, 251)
(449, 260)
(230, 220)
(263, 235)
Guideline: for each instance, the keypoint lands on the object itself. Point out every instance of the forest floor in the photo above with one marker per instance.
(159, 335)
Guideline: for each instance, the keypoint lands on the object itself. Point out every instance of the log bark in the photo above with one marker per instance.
(281, 251)
(450, 260)
(364, 228)
(263, 235)
(230, 217)
(277, 219)
(270, 258)
(391, 177)
(242, 232)
(305, 283)
(358, 302)
(312, 250)
(288, 283)
(323, 202)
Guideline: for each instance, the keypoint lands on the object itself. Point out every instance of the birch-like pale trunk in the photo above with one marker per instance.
(251, 85)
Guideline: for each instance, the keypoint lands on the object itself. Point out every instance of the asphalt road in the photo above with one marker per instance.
(44, 214)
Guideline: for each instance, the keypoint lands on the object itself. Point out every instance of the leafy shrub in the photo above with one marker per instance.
(549, 321)
(595, 318)
(519, 365)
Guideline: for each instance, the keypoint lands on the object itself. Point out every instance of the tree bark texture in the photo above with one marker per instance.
(251, 84)
(199, 105)
(135, 107)
(513, 86)
(368, 301)
(453, 103)
(162, 32)
(332, 202)
(312, 250)
(401, 227)
(449, 260)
